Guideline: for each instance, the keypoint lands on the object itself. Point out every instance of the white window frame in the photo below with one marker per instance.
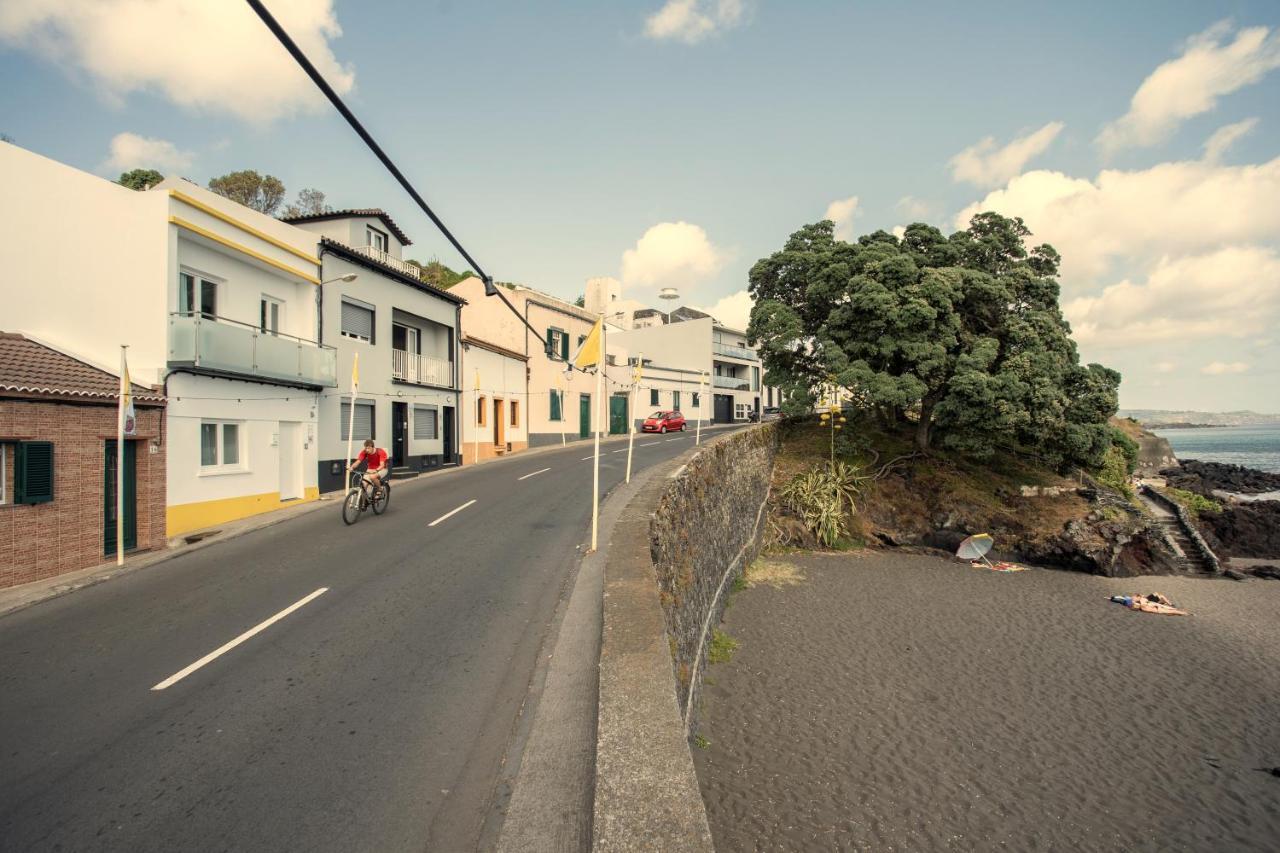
(739, 411)
(379, 240)
(221, 466)
(199, 277)
(268, 300)
(373, 311)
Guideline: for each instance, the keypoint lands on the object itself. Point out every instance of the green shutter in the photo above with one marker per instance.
(33, 472)
(555, 406)
(551, 343)
(564, 345)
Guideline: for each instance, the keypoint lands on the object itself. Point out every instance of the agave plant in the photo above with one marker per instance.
(819, 495)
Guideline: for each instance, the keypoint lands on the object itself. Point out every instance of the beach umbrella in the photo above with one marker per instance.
(976, 548)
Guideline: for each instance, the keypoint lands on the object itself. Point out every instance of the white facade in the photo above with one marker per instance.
(495, 406)
(213, 299)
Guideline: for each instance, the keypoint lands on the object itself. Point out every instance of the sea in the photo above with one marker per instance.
(1251, 446)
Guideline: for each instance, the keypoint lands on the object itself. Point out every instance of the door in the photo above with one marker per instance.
(399, 433)
(130, 502)
(617, 414)
(723, 408)
(289, 446)
(447, 414)
(412, 350)
(584, 415)
(499, 427)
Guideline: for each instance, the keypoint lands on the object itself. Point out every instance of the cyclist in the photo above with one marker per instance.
(377, 464)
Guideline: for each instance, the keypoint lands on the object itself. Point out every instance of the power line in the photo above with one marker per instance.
(490, 288)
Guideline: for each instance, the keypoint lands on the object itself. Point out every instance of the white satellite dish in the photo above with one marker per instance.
(668, 293)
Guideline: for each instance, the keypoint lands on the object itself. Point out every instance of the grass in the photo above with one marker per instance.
(722, 647)
(772, 573)
(1193, 503)
(701, 742)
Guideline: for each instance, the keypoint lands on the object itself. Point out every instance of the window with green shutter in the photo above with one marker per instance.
(33, 472)
(555, 406)
(564, 345)
(653, 397)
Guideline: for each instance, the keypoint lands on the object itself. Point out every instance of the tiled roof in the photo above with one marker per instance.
(31, 369)
(354, 211)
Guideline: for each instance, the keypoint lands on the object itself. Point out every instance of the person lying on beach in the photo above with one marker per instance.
(1152, 603)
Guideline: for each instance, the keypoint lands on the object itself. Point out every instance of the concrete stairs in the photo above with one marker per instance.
(403, 472)
(1188, 557)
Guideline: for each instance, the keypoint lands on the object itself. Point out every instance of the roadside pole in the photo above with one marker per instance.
(124, 401)
(559, 389)
(631, 415)
(351, 420)
(595, 477)
(702, 403)
(475, 423)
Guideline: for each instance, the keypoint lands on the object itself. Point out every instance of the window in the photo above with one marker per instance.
(377, 239)
(364, 420)
(480, 401)
(559, 340)
(755, 379)
(269, 315)
(3, 451)
(33, 472)
(426, 423)
(357, 320)
(515, 413)
(557, 406)
(697, 400)
(739, 411)
(653, 397)
(675, 400)
(219, 444)
(197, 295)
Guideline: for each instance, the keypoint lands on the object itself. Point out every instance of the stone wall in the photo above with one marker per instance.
(706, 528)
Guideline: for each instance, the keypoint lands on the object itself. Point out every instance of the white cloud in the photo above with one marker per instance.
(1208, 68)
(1218, 368)
(691, 21)
(733, 310)
(899, 231)
(1229, 293)
(214, 57)
(841, 212)
(986, 165)
(131, 151)
(915, 209)
(1170, 209)
(1224, 137)
(1166, 366)
(671, 253)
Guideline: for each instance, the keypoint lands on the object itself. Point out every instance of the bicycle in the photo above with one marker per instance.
(361, 496)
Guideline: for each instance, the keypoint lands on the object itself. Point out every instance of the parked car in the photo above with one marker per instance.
(771, 413)
(663, 422)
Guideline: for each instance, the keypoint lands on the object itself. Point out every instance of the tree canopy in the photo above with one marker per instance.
(140, 179)
(263, 193)
(310, 202)
(437, 274)
(963, 334)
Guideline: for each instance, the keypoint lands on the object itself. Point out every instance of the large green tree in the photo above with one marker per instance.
(263, 193)
(310, 202)
(962, 334)
(140, 179)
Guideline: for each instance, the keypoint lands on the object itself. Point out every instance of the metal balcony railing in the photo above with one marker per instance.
(229, 346)
(733, 383)
(390, 260)
(422, 369)
(734, 352)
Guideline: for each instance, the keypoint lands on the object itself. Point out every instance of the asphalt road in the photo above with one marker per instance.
(373, 716)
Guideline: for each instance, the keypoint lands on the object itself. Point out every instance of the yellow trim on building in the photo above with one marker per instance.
(185, 518)
(230, 244)
(248, 229)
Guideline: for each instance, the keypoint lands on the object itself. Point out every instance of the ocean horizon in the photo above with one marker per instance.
(1251, 446)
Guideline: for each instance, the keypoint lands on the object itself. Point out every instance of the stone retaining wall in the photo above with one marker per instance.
(1188, 527)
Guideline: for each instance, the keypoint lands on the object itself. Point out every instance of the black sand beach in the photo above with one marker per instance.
(898, 702)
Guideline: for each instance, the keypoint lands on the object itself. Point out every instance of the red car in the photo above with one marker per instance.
(663, 422)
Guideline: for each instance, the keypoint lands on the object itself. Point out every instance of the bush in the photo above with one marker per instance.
(1114, 472)
(1193, 503)
(1128, 447)
(818, 496)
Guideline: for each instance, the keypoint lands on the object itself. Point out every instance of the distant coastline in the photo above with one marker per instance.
(1185, 425)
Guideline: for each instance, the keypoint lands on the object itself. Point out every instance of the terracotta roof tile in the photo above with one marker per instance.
(32, 369)
(353, 211)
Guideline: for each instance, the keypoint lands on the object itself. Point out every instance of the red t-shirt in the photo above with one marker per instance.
(377, 458)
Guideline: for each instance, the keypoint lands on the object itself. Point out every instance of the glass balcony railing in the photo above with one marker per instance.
(733, 383)
(228, 346)
(734, 352)
(421, 369)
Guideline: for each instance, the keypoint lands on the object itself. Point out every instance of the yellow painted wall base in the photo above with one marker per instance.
(185, 518)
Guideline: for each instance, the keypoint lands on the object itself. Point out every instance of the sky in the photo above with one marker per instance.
(676, 142)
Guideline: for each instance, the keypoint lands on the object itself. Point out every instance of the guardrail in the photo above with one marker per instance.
(422, 369)
(735, 352)
(390, 260)
(230, 346)
(733, 383)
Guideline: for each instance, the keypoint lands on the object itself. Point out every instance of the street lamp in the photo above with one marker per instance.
(348, 278)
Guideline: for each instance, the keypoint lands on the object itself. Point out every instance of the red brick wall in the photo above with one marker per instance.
(49, 539)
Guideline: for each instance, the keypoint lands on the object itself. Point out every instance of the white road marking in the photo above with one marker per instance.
(651, 444)
(677, 438)
(585, 458)
(222, 650)
(623, 450)
(527, 476)
(454, 511)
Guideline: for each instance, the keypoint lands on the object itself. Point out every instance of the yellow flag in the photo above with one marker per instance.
(355, 372)
(589, 352)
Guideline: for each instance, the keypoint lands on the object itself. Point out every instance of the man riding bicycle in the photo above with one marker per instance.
(377, 464)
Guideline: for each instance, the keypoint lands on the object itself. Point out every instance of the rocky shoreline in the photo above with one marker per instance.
(1205, 478)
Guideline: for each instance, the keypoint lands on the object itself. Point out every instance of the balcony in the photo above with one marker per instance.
(732, 383)
(735, 352)
(376, 254)
(219, 345)
(421, 369)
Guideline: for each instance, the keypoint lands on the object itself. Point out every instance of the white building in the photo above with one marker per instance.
(215, 301)
(406, 334)
(495, 406)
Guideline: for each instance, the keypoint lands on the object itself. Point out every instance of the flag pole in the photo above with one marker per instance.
(564, 416)
(351, 417)
(702, 402)
(595, 478)
(475, 423)
(631, 416)
(124, 393)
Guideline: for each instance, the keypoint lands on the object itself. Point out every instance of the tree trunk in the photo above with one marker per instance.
(924, 426)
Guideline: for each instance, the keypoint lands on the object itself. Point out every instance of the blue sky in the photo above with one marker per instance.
(552, 137)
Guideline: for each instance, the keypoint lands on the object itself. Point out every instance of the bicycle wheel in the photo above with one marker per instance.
(380, 502)
(351, 508)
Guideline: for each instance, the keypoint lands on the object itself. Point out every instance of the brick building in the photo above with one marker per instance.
(57, 457)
